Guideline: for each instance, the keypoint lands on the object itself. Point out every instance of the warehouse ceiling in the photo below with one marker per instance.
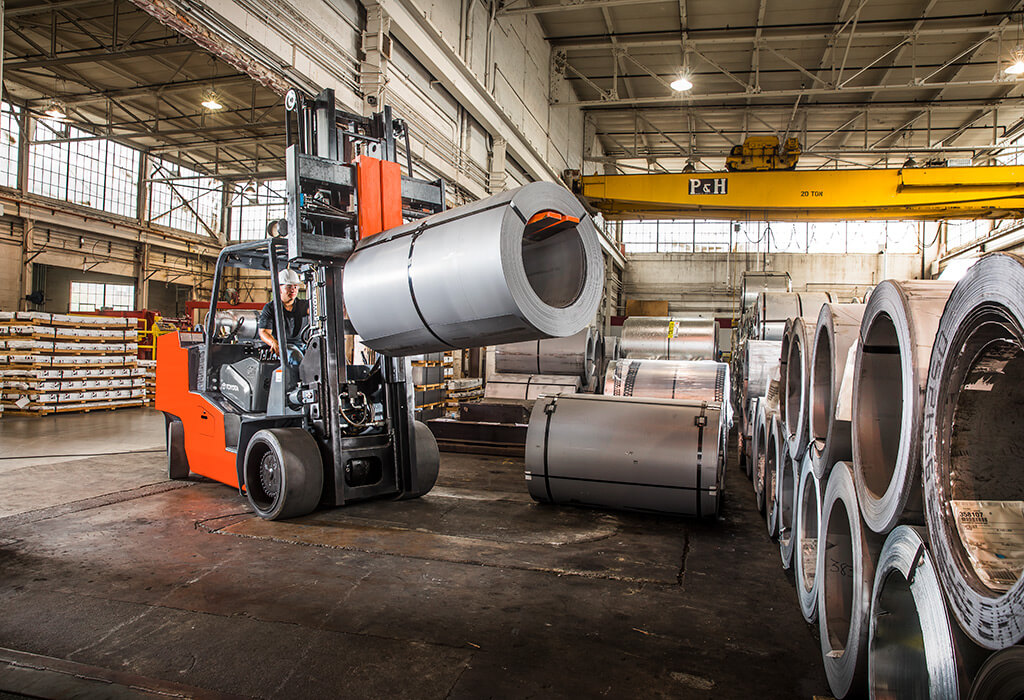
(118, 72)
(859, 82)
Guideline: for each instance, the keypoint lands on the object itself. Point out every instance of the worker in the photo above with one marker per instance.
(296, 313)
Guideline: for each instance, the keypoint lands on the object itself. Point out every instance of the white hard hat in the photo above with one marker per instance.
(288, 276)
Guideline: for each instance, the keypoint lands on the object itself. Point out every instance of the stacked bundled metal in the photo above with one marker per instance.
(832, 366)
(528, 387)
(479, 275)
(897, 331)
(666, 338)
(575, 355)
(598, 451)
(972, 453)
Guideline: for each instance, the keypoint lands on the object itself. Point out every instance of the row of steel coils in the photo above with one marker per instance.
(885, 454)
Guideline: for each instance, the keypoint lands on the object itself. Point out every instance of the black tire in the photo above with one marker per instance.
(428, 462)
(283, 474)
(177, 460)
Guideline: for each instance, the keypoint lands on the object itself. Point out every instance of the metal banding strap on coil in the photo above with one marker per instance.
(549, 410)
(627, 389)
(412, 291)
(701, 422)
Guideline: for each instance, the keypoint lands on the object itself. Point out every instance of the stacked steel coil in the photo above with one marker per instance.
(797, 384)
(666, 338)
(773, 309)
(574, 355)
(918, 389)
(695, 380)
(527, 387)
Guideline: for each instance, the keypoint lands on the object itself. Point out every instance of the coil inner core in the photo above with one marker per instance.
(555, 264)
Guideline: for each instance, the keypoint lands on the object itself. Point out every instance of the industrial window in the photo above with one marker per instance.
(184, 199)
(75, 166)
(93, 296)
(252, 206)
(10, 133)
(709, 236)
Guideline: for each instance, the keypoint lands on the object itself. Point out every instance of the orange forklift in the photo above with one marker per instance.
(293, 434)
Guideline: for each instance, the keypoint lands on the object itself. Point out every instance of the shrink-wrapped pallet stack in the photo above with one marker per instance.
(60, 363)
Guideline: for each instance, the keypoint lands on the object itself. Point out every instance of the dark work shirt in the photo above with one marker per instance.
(295, 321)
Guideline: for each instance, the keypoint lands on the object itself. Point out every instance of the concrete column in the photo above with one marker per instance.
(373, 69)
(26, 263)
(142, 277)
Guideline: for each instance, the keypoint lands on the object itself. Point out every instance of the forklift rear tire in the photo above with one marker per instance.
(177, 460)
(428, 462)
(284, 473)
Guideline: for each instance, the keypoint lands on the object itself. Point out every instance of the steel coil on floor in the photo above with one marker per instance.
(598, 451)
(751, 426)
(696, 380)
(238, 324)
(527, 387)
(477, 275)
(806, 531)
(915, 648)
(788, 480)
(798, 382)
(776, 450)
(758, 452)
(1001, 677)
(897, 330)
(973, 451)
(783, 389)
(835, 333)
(760, 358)
(574, 355)
(666, 338)
(774, 308)
(847, 551)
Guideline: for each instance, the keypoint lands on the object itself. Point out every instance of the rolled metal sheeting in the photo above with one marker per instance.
(758, 452)
(846, 554)
(760, 358)
(1001, 677)
(783, 378)
(237, 323)
(599, 451)
(774, 453)
(774, 308)
(836, 331)
(527, 387)
(474, 276)
(755, 283)
(915, 649)
(667, 338)
(789, 479)
(574, 355)
(751, 423)
(798, 381)
(897, 330)
(806, 531)
(696, 380)
(973, 451)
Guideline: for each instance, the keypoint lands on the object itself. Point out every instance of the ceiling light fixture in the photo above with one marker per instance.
(681, 84)
(1016, 66)
(211, 101)
(55, 110)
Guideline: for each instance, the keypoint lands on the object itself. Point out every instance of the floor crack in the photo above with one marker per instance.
(682, 562)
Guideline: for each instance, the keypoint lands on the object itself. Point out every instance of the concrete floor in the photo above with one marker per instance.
(112, 576)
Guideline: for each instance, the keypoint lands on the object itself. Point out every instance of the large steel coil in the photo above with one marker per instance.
(598, 451)
(760, 358)
(666, 338)
(788, 480)
(798, 381)
(758, 452)
(775, 453)
(238, 324)
(527, 387)
(835, 333)
(973, 451)
(915, 649)
(755, 283)
(846, 554)
(783, 390)
(482, 274)
(896, 335)
(774, 308)
(806, 532)
(1001, 677)
(694, 380)
(751, 426)
(575, 355)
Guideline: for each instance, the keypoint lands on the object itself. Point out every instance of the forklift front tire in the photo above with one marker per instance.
(177, 460)
(284, 474)
(428, 462)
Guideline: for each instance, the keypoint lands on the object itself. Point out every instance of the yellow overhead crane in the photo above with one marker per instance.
(811, 195)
